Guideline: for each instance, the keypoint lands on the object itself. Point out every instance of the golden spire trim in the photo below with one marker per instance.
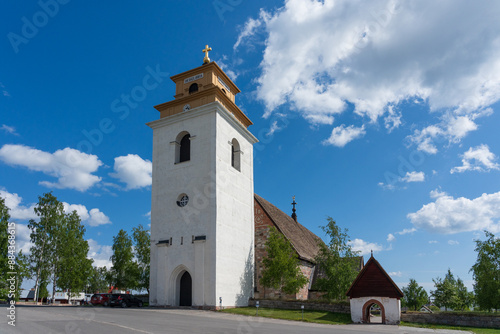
(206, 60)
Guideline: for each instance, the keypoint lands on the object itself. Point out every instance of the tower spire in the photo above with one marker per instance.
(294, 215)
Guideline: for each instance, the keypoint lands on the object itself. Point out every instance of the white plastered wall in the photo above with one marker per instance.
(392, 309)
(235, 215)
(168, 220)
(220, 207)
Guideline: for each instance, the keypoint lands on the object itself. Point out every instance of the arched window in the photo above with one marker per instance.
(235, 155)
(193, 88)
(183, 147)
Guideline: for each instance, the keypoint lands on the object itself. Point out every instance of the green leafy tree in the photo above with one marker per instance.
(4, 248)
(464, 299)
(486, 272)
(22, 270)
(414, 295)
(445, 294)
(98, 280)
(337, 262)
(281, 265)
(142, 246)
(74, 266)
(44, 237)
(125, 271)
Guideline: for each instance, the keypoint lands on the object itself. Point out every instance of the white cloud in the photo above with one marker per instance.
(249, 29)
(393, 119)
(341, 135)
(413, 177)
(387, 186)
(453, 242)
(72, 168)
(133, 170)
(395, 274)
(409, 177)
(4, 92)
(100, 253)
(477, 158)
(225, 67)
(94, 217)
(80, 209)
(364, 247)
(391, 237)
(436, 193)
(23, 240)
(98, 218)
(448, 215)
(9, 129)
(323, 56)
(451, 128)
(407, 231)
(274, 127)
(433, 241)
(16, 210)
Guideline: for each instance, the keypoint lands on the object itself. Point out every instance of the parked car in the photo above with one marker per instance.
(86, 299)
(124, 300)
(100, 299)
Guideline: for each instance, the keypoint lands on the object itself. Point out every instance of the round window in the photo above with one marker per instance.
(182, 200)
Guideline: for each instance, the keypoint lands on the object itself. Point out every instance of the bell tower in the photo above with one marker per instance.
(202, 219)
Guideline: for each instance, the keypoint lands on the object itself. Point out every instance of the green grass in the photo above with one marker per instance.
(460, 328)
(324, 317)
(321, 317)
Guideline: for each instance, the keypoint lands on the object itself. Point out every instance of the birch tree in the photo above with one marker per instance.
(142, 246)
(73, 266)
(337, 262)
(486, 272)
(44, 234)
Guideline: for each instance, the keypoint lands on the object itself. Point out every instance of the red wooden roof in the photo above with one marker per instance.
(373, 281)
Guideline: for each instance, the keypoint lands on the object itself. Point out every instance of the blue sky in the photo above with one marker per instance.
(381, 114)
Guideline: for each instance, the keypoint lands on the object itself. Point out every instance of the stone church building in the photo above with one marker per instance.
(208, 227)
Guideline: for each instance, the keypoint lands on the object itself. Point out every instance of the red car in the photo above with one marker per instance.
(100, 299)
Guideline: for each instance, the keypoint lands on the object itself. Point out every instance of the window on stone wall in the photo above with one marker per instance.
(183, 147)
(235, 155)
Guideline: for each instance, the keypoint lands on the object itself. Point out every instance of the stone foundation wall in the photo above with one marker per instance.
(296, 305)
(453, 319)
(316, 295)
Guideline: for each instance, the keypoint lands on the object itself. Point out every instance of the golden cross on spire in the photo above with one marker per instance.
(206, 60)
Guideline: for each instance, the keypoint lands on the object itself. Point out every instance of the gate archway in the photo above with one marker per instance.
(367, 307)
(374, 286)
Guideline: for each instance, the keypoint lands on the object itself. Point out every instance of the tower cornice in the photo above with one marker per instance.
(208, 95)
(205, 109)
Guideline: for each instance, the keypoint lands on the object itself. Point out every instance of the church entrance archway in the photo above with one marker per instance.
(373, 312)
(186, 290)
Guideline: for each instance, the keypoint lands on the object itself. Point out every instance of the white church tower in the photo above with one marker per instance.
(202, 219)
